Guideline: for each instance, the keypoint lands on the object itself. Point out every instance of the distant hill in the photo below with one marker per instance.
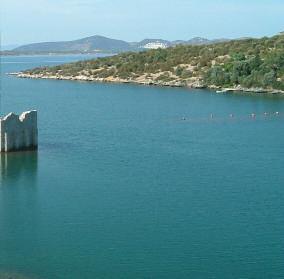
(104, 44)
(8, 47)
(89, 44)
(198, 41)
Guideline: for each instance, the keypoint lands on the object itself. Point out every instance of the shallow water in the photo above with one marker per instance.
(139, 182)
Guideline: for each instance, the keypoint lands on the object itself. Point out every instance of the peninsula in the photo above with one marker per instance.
(253, 65)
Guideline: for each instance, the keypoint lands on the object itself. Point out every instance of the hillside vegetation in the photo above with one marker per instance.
(250, 63)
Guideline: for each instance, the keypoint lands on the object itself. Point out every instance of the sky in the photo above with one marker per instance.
(28, 21)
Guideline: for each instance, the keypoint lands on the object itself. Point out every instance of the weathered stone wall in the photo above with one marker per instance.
(19, 133)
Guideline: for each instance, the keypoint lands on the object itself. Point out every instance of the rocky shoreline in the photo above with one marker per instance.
(195, 84)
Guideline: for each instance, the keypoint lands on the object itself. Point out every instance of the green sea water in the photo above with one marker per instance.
(140, 182)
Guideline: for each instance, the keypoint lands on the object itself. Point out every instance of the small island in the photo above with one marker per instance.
(249, 65)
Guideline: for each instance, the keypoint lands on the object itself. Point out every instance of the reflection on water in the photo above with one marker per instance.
(17, 166)
(10, 275)
(19, 211)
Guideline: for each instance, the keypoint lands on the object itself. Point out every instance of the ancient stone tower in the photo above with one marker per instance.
(18, 133)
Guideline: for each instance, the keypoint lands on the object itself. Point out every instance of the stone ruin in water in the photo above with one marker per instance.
(18, 133)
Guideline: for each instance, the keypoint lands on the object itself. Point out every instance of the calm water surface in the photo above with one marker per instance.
(122, 187)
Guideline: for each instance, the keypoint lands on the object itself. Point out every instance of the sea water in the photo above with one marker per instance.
(141, 182)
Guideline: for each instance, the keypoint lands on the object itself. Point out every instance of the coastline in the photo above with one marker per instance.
(196, 84)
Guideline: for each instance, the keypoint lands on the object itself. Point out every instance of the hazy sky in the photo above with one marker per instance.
(26, 21)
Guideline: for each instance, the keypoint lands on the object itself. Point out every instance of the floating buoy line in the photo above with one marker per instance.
(231, 116)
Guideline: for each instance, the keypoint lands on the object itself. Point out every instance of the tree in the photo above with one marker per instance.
(269, 79)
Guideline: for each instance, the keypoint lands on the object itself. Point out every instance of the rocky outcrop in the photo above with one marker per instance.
(18, 133)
